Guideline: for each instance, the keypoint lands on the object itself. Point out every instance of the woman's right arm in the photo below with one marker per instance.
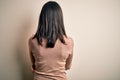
(70, 57)
(69, 62)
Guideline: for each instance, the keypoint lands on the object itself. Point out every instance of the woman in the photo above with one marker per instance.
(51, 50)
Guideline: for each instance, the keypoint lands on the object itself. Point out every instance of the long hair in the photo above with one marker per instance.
(50, 26)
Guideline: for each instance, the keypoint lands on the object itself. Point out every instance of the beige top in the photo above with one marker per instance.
(51, 63)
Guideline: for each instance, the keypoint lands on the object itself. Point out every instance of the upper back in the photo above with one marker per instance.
(51, 58)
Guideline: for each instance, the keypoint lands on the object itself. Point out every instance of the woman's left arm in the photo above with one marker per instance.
(31, 56)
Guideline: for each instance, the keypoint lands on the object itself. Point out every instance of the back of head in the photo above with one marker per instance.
(51, 25)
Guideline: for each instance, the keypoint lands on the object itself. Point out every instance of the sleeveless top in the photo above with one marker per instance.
(51, 63)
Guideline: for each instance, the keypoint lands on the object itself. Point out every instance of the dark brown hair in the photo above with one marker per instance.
(51, 25)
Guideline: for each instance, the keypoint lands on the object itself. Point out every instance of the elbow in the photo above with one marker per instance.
(67, 68)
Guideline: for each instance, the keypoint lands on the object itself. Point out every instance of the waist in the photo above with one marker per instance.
(53, 76)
